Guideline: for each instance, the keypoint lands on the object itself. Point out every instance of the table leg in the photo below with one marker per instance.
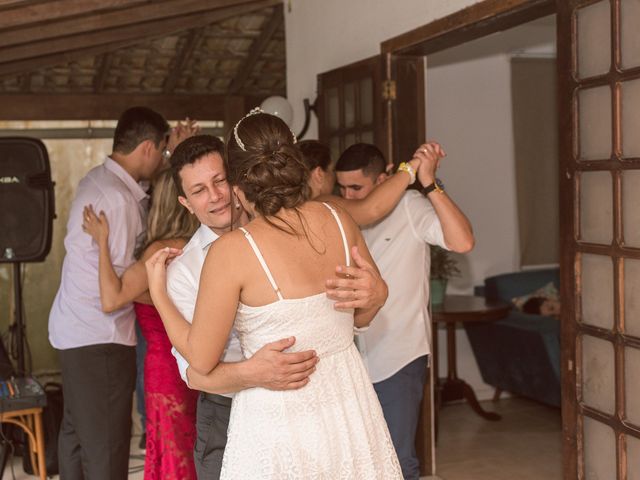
(452, 354)
(28, 422)
(455, 388)
(42, 466)
(437, 394)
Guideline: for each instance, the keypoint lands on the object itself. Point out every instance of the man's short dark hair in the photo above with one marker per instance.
(136, 125)
(191, 150)
(315, 154)
(363, 156)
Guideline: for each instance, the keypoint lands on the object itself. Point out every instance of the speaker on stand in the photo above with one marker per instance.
(26, 217)
(26, 224)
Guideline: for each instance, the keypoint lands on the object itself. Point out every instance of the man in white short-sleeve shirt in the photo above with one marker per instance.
(396, 345)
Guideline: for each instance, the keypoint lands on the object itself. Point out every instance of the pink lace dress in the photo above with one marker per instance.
(170, 405)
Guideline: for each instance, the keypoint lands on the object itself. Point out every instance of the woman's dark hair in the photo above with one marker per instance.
(264, 163)
(533, 305)
(315, 154)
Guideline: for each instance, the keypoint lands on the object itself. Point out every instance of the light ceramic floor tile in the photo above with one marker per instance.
(136, 465)
(524, 445)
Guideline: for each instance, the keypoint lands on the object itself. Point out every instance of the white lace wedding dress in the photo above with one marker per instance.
(333, 427)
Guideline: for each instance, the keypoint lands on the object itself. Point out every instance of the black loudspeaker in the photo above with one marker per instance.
(26, 200)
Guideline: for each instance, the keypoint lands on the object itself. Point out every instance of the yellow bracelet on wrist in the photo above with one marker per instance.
(406, 167)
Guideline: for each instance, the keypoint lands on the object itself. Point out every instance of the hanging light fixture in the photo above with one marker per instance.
(281, 107)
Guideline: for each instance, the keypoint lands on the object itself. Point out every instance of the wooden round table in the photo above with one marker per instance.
(464, 308)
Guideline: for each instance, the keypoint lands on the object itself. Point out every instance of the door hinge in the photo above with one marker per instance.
(389, 90)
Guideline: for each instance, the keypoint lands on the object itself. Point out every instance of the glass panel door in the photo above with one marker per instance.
(599, 74)
(351, 105)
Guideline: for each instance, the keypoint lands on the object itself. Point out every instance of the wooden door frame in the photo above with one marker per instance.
(473, 22)
(567, 202)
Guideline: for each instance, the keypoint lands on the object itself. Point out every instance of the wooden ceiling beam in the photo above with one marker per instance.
(110, 106)
(182, 59)
(257, 48)
(140, 14)
(147, 29)
(34, 64)
(8, 3)
(81, 46)
(46, 11)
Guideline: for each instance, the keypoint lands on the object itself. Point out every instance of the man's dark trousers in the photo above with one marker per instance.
(400, 396)
(98, 383)
(212, 423)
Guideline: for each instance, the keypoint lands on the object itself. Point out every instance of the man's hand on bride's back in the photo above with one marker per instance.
(274, 369)
(357, 286)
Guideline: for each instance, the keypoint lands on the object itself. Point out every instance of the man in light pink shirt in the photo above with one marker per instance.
(97, 349)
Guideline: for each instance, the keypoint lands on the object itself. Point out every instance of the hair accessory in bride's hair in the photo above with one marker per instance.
(253, 111)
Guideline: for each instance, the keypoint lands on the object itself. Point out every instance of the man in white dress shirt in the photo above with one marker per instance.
(97, 349)
(396, 345)
(198, 171)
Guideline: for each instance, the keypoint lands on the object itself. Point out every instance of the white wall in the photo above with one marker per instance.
(469, 111)
(326, 34)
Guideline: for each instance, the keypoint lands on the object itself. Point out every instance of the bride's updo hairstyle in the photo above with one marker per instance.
(263, 161)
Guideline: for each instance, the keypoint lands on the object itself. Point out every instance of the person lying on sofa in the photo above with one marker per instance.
(549, 307)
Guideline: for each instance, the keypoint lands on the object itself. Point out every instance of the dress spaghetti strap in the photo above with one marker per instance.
(256, 250)
(344, 236)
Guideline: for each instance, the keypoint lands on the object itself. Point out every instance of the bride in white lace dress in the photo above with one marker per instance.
(267, 281)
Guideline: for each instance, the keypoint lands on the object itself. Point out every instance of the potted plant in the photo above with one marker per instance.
(443, 267)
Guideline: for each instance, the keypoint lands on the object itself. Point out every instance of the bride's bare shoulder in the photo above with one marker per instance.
(230, 242)
(345, 218)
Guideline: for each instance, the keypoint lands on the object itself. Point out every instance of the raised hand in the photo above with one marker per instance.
(182, 131)
(95, 225)
(430, 154)
(359, 286)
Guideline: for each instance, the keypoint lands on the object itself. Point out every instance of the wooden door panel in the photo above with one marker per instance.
(350, 106)
(600, 220)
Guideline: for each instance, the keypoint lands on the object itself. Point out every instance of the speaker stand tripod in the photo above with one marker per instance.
(19, 320)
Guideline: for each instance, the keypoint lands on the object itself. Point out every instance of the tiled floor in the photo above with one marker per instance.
(136, 462)
(524, 445)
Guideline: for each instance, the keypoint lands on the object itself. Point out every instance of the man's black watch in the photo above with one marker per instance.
(436, 186)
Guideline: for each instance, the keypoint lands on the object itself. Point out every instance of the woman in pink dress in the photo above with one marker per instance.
(170, 404)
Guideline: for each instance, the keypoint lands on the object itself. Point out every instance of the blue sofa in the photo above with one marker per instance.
(520, 354)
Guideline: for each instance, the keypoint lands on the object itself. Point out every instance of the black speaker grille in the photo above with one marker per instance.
(26, 200)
